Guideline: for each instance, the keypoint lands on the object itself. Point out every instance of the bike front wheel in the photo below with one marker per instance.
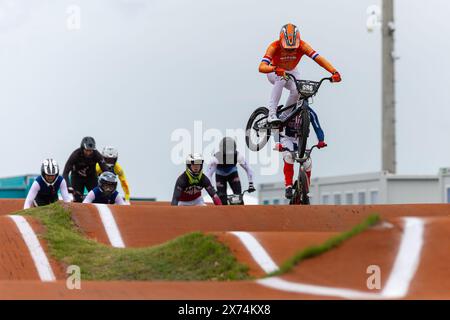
(296, 198)
(301, 189)
(304, 132)
(257, 132)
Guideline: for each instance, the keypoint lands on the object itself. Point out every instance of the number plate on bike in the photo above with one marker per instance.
(235, 199)
(307, 87)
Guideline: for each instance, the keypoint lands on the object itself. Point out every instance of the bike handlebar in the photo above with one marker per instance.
(239, 194)
(308, 150)
(294, 153)
(290, 75)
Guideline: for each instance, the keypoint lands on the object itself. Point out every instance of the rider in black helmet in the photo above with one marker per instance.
(106, 191)
(81, 165)
(224, 166)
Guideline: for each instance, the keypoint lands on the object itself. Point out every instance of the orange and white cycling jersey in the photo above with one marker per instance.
(287, 59)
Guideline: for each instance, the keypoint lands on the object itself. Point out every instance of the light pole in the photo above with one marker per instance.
(385, 20)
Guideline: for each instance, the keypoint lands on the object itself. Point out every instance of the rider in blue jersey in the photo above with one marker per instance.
(105, 192)
(45, 188)
(289, 143)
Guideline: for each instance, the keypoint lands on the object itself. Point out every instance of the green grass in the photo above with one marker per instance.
(331, 243)
(193, 256)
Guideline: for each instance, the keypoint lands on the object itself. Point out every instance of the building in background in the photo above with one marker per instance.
(444, 184)
(371, 188)
(16, 187)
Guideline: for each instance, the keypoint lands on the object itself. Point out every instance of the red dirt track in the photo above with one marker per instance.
(148, 225)
(15, 261)
(280, 230)
(8, 206)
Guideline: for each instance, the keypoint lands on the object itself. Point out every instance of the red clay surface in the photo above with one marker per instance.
(433, 275)
(16, 262)
(280, 230)
(148, 225)
(88, 221)
(346, 265)
(159, 290)
(8, 206)
(279, 245)
(150, 203)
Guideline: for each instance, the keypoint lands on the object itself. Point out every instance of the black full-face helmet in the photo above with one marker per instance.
(107, 182)
(227, 151)
(88, 143)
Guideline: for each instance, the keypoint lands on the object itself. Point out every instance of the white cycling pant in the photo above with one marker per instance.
(278, 84)
(196, 202)
(291, 144)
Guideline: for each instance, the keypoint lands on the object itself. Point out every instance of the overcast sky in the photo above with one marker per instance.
(138, 70)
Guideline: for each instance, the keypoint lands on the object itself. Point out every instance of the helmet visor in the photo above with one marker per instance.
(290, 37)
(108, 187)
(110, 161)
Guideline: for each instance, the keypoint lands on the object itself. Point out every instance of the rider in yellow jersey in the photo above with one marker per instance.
(110, 154)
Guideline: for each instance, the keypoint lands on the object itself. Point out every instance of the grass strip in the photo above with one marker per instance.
(331, 243)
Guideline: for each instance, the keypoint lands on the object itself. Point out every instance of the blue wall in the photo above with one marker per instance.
(16, 187)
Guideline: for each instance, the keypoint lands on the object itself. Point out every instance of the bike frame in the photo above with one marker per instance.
(296, 110)
(302, 97)
(297, 107)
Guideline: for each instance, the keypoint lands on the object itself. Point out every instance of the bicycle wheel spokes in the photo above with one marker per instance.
(257, 132)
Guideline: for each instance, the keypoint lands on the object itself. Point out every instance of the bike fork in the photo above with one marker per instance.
(306, 178)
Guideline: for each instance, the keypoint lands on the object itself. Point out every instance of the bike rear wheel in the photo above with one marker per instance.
(304, 132)
(255, 136)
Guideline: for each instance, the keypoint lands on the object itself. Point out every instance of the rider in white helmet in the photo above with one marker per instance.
(45, 188)
(110, 155)
(189, 185)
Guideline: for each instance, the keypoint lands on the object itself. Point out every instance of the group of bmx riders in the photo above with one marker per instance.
(88, 169)
(99, 172)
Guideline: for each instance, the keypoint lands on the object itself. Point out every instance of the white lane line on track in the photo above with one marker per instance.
(405, 267)
(38, 255)
(407, 260)
(110, 225)
(284, 285)
(257, 251)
